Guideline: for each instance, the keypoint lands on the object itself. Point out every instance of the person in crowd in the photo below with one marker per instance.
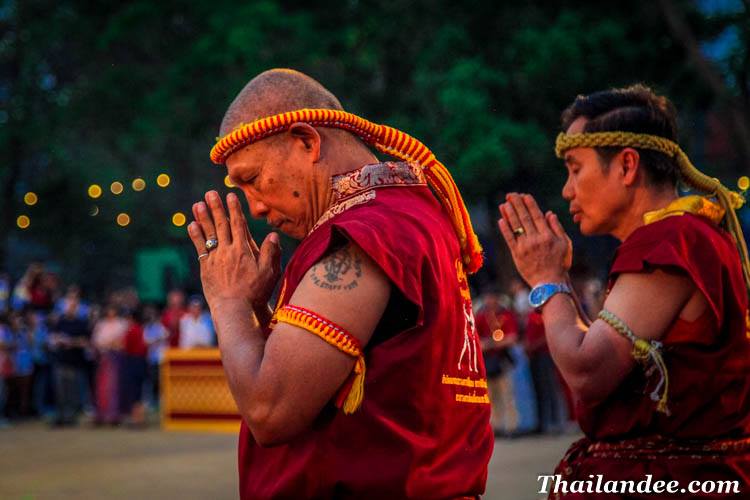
(592, 297)
(524, 394)
(156, 337)
(550, 398)
(172, 314)
(4, 292)
(68, 340)
(108, 340)
(6, 367)
(134, 371)
(193, 329)
(31, 279)
(42, 380)
(73, 292)
(498, 330)
(23, 365)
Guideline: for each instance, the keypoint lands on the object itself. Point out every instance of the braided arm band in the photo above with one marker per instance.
(352, 393)
(383, 138)
(643, 352)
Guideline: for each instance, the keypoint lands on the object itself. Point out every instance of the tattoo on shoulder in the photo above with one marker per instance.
(339, 270)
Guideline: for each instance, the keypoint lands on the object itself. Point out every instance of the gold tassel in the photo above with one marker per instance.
(357, 392)
(643, 351)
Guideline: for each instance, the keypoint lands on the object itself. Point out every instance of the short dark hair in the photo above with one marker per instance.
(638, 109)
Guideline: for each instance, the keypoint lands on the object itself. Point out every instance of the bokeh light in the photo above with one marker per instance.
(116, 187)
(179, 219)
(743, 183)
(139, 184)
(95, 191)
(23, 221)
(94, 211)
(30, 198)
(163, 180)
(123, 219)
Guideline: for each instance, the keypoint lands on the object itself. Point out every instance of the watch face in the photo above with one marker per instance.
(538, 295)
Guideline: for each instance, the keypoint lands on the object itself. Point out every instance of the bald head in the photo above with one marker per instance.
(276, 91)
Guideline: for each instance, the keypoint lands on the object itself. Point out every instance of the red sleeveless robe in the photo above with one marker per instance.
(423, 428)
(707, 435)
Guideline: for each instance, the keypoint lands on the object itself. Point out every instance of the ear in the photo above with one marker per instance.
(308, 138)
(630, 163)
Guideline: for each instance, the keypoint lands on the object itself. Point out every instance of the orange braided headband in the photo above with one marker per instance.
(386, 140)
(352, 393)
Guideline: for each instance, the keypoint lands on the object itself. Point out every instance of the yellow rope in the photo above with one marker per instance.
(729, 200)
(643, 351)
(386, 140)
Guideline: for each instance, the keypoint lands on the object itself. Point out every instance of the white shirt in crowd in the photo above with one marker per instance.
(194, 333)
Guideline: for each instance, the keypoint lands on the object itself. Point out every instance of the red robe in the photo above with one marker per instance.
(423, 428)
(707, 435)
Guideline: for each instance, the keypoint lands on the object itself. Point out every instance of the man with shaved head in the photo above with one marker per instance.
(365, 380)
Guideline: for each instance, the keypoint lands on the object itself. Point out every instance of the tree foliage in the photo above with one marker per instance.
(93, 93)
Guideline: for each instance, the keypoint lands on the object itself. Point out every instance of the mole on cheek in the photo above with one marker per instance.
(296, 194)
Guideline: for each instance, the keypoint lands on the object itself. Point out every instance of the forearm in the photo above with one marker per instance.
(565, 333)
(242, 343)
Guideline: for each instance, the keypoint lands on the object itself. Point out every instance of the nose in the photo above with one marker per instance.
(258, 209)
(568, 193)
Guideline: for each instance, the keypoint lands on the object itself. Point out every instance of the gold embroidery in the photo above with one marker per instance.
(358, 187)
(376, 175)
(343, 207)
(694, 204)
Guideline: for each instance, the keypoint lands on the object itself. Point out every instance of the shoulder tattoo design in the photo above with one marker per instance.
(339, 270)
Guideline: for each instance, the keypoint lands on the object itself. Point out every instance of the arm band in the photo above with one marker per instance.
(352, 393)
(643, 352)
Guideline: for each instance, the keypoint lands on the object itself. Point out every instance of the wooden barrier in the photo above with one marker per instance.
(194, 393)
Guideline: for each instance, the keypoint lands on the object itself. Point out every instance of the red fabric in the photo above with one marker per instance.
(134, 342)
(411, 438)
(662, 459)
(536, 342)
(170, 318)
(708, 360)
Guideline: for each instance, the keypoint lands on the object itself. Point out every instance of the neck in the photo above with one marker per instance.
(644, 201)
(345, 160)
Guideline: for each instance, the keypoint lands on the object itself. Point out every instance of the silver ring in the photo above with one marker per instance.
(202, 255)
(211, 243)
(518, 231)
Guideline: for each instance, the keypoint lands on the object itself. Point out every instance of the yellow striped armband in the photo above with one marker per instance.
(352, 393)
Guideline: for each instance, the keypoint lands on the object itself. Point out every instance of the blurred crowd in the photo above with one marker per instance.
(68, 360)
(527, 393)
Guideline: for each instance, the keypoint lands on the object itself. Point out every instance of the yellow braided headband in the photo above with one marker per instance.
(386, 140)
(729, 200)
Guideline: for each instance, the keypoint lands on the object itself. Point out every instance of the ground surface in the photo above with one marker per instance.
(39, 464)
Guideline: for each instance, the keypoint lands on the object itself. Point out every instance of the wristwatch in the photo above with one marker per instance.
(540, 294)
